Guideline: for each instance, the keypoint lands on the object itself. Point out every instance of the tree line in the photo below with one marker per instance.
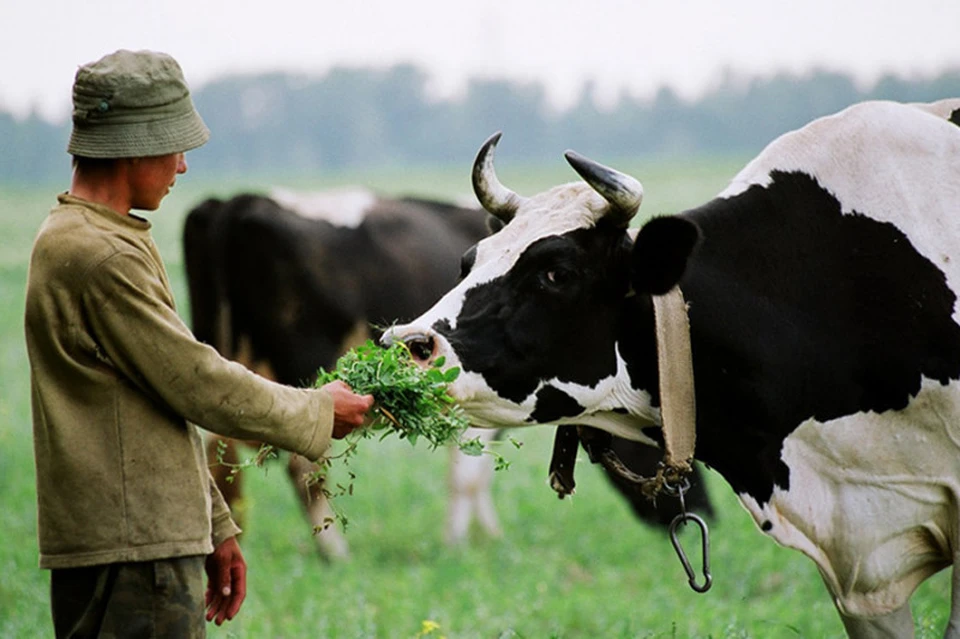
(365, 118)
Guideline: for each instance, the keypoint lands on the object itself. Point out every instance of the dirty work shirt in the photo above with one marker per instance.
(117, 382)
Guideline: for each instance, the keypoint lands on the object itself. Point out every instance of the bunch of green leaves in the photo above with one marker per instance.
(410, 401)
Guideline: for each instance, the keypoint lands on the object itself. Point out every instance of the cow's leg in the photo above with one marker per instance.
(230, 486)
(566, 445)
(469, 482)
(953, 627)
(330, 541)
(894, 625)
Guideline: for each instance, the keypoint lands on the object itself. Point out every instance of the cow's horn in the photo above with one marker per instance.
(494, 197)
(623, 192)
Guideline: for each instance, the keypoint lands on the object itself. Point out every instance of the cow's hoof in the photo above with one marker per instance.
(561, 486)
(332, 545)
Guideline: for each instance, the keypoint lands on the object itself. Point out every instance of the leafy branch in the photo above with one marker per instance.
(410, 401)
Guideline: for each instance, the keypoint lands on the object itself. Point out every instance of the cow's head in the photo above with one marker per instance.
(548, 306)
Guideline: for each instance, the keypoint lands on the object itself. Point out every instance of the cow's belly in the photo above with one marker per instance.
(872, 499)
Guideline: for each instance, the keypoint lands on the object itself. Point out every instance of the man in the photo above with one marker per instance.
(128, 517)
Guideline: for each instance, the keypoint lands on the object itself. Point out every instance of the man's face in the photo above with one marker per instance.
(151, 179)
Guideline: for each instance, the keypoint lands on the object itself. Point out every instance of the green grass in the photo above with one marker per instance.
(565, 569)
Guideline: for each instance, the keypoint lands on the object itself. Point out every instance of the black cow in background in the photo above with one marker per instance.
(286, 284)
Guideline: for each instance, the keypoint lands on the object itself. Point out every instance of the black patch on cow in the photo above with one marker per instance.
(955, 117)
(553, 404)
(766, 526)
(553, 315)
(799, 311)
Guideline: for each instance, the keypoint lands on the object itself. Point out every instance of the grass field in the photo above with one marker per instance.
(577, 568)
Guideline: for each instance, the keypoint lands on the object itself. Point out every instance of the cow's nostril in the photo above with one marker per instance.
(421, 347)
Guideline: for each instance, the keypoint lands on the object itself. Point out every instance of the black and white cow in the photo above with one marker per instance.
(822, 290)
(285, 284)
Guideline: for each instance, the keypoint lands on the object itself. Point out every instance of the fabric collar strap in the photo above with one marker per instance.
(675, 366)
(677, 402)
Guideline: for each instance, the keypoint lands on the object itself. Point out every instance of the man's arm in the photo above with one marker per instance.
(221, 521)
(146, 340)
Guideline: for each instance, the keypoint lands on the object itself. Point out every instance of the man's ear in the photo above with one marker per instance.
(661, 252)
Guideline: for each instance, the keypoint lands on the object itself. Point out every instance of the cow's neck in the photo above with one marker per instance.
(779, 293)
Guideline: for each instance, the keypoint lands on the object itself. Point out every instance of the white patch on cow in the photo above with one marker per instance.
(853, 155)
(619, 424)
(485, 407)
(603, 402)
(875, 530)
(346, 207)
(943, 109)
(560, 210)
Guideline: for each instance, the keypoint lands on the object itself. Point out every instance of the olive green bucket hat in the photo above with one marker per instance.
(133, 104)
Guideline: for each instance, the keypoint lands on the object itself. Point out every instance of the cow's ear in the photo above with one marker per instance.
(661, 252)
(494, 224)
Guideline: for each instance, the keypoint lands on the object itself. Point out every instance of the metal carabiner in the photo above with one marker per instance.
(678, 490)
(683, 518)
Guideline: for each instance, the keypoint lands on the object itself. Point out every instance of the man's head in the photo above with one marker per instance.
(133, 104)
(133, 120)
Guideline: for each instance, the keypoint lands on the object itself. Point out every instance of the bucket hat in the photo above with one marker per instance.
(133, 104)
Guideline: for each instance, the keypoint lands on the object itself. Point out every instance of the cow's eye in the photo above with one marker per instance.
(555, 277)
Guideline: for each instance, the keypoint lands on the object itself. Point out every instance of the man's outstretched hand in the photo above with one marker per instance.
(349, 409)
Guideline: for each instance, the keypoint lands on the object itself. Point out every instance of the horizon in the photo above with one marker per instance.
(619, 46)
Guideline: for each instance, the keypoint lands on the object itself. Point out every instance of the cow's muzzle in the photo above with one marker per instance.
(422, 347)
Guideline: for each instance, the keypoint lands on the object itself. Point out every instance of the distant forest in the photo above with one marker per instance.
(367, 118)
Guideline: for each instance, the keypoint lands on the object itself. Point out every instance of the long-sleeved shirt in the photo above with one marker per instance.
(118, 382)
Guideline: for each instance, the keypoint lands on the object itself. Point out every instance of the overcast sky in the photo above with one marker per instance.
(631, 45)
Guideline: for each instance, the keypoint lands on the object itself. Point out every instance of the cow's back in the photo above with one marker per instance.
(293, 289)
(411, 252)
(890, 162)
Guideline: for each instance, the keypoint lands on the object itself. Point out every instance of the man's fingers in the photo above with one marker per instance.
(218, 612)
(239, 580)
(223, 573)
(213, 607)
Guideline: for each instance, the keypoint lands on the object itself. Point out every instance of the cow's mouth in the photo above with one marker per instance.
(421, 347)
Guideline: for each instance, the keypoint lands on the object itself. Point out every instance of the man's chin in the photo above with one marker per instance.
(146, 206)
